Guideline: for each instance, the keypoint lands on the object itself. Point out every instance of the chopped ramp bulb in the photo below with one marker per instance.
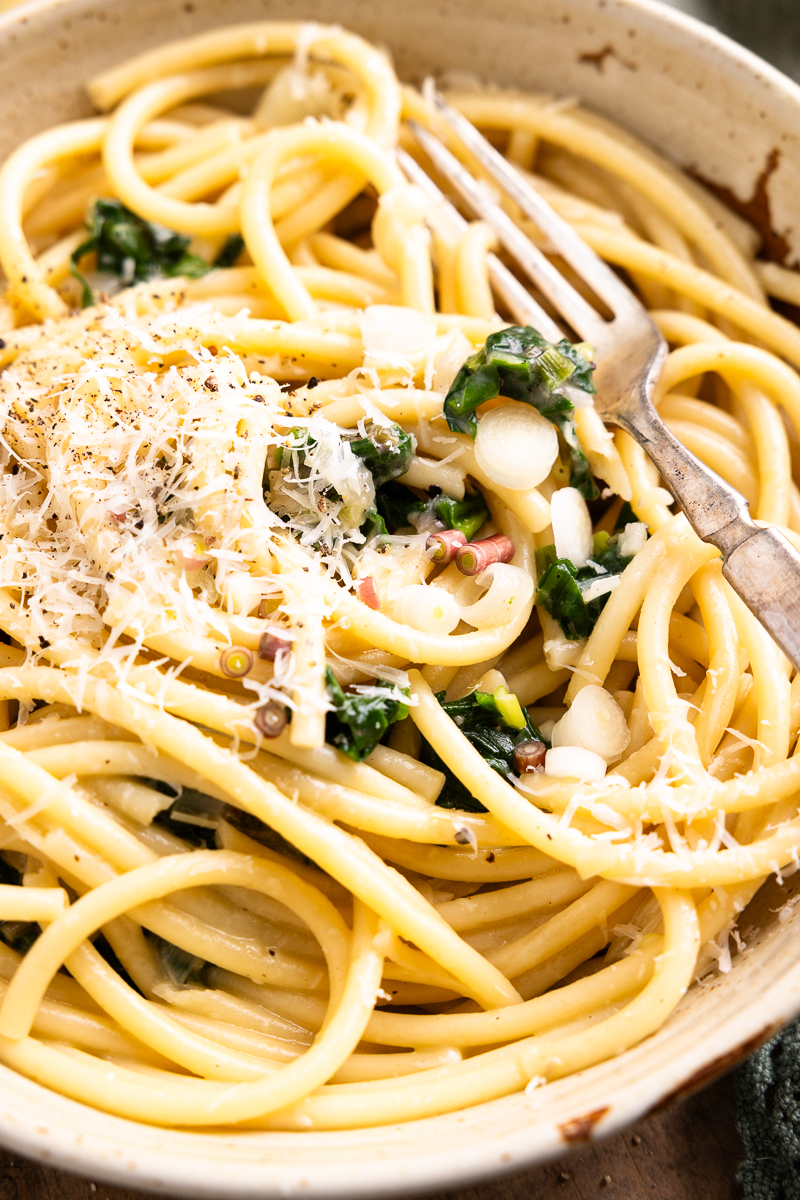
(572, 762)
(594, 722)
(572, 526)
(516, 446)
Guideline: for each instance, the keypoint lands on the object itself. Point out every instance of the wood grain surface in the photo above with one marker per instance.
(688, 1152)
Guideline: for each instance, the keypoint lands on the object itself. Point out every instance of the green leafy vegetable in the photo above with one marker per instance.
(196, 816)
(397, 504)
(562, 587)
(519, 363)
(483, 718)
(454, 793)
(360, 719)
(339, 485)
(193, 815)
(560, 595)
(606, 554)
(133, 249)
(386, 451)
(467, 515)
(19, 935)
(374, 524)
(232, 248)
(625, 517)
(265, 835)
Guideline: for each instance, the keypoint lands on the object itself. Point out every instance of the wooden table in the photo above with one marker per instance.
(689, 1152)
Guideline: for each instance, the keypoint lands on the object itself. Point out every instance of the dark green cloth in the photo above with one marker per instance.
(768, 1116)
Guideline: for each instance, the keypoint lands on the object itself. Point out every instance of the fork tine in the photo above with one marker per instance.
(517, 298)
(581, 316)
(600, 278)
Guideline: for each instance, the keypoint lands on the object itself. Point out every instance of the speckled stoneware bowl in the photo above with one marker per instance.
(713, 108)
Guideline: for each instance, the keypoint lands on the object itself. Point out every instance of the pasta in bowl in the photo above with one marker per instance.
(379, 742)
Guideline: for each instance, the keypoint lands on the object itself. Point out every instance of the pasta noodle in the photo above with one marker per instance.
(345, 776)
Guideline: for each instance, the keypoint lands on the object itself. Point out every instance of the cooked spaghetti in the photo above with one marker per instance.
(377, 740)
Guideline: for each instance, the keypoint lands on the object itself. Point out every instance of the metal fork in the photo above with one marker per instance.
(760, 564)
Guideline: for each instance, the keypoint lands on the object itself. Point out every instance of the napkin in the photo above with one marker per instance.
(768, 1117)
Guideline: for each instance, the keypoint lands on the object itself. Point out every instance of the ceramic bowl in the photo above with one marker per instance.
(715, 109)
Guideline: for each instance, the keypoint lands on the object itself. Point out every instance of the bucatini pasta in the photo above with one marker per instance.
(377, 740)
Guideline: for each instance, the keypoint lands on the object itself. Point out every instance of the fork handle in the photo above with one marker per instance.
(759, 563)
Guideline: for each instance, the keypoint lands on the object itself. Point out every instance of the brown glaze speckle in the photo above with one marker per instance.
(580, 1128)
(597, 59)
(757, 209)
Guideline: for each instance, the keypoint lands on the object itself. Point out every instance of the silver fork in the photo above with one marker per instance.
(760, 564)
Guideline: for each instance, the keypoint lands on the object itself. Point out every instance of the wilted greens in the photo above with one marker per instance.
(494, 724)
(519, 363)
(133, 249)
(467, 515)
(400, 508)
(562, 588)
(193, 816)
(385, 450)
(360, 719)
(231, 249)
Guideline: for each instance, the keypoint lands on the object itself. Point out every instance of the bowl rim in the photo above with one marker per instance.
(758, 1017)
